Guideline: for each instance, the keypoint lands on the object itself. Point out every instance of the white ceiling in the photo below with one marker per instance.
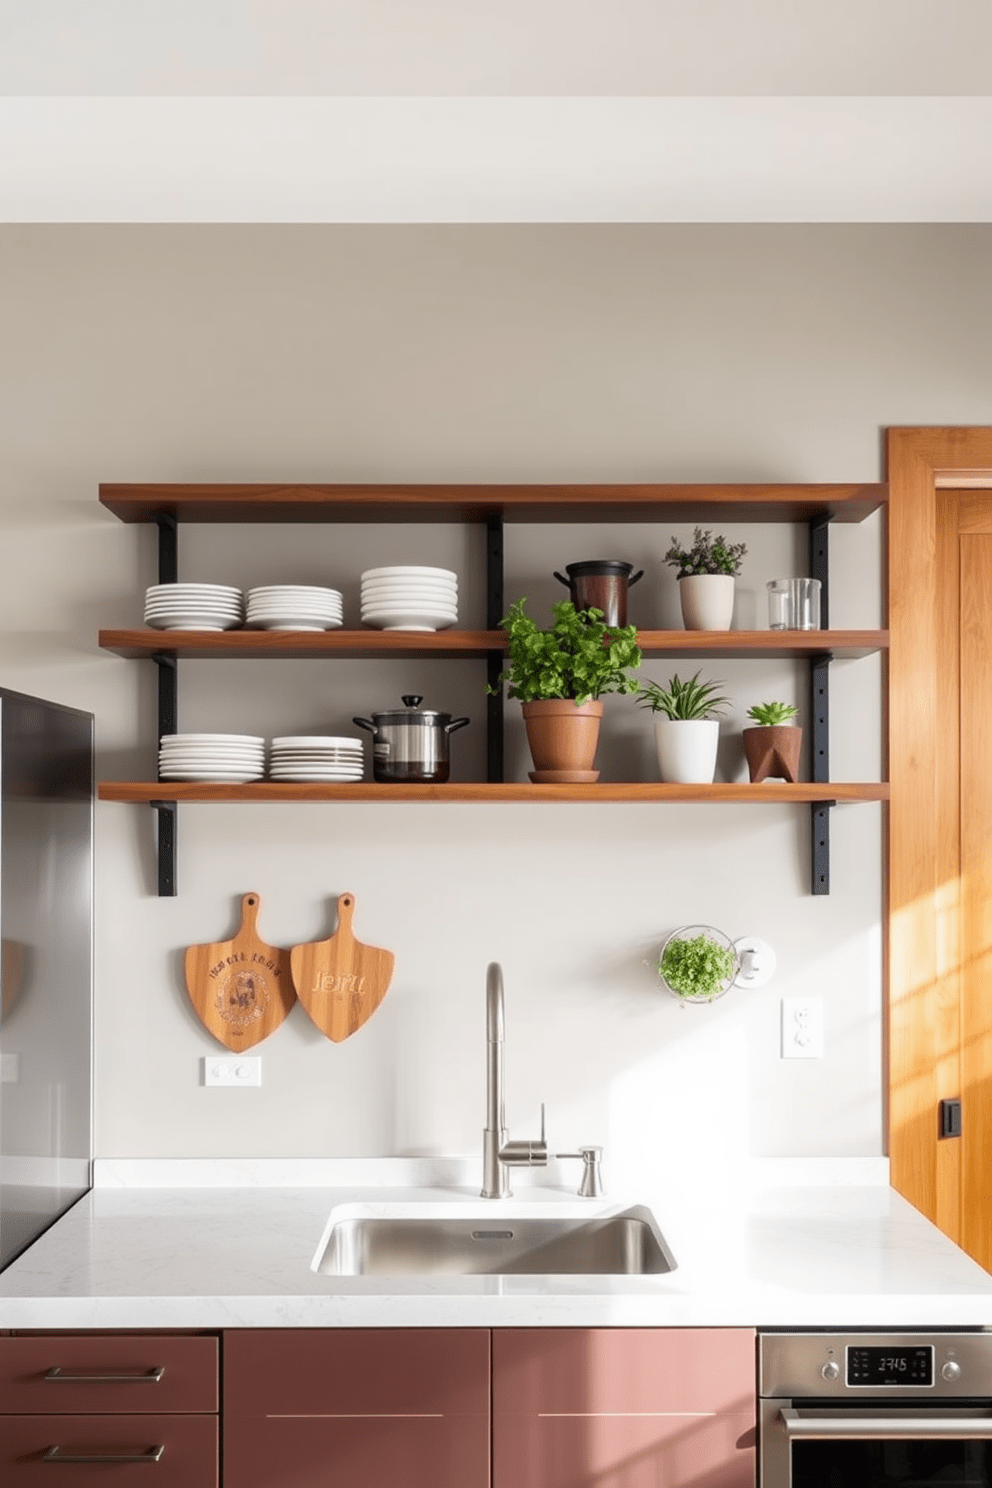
(471, 111)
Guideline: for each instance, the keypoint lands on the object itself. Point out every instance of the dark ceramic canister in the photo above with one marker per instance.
(602, 584)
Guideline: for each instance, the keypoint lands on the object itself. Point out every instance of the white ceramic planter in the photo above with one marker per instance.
(707, 601)
(686, 749)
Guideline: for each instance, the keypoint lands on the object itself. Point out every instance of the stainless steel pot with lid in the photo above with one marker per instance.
(411, 743)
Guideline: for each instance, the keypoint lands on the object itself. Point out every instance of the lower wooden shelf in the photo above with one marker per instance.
(765, 794)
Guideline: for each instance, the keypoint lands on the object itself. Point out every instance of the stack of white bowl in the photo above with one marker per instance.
(194, 607)
(225, 758)
(299, 757)
(405, 597)
(294, 607)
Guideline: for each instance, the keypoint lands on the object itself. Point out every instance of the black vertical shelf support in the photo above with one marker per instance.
(168, 708)
(819, 712)
(494, 659)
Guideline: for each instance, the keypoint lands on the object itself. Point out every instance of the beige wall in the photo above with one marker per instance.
(620, 353)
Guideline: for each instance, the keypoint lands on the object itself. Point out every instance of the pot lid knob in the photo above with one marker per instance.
(410, 700)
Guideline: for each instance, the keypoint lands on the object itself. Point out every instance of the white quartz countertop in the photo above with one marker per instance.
(201, 1244)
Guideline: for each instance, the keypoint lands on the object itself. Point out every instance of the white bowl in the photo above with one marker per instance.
(405, 569)
(408, 620)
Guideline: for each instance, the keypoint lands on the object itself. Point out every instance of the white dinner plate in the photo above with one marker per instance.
(165, 590)
(213, 738)
(192, 622)
(293, 591)
(309, 625)
(306, 741)
(219, 777)
(327, 777)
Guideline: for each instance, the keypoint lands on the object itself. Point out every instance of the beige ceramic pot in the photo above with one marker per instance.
(707, 601)
(563, 735)
(772, 751)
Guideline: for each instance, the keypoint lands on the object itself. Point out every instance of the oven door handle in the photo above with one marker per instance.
(800, 1426)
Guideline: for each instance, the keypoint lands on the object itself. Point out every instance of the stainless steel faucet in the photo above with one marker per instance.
(499, 1155)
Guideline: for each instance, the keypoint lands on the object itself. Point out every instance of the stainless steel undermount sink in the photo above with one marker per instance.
(492, 1240)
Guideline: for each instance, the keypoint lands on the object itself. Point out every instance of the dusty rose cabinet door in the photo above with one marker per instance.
(356, 1407)
(623, 1408)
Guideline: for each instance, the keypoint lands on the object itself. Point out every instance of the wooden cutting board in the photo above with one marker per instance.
(241, 989)
(340, 981)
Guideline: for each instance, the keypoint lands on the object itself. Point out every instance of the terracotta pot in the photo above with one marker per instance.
(772, 751)
(561, 734)
(707, 601)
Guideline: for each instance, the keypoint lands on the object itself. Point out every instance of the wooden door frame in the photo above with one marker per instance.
(921, 1019)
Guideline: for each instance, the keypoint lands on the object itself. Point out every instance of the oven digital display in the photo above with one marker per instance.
(890, 1366)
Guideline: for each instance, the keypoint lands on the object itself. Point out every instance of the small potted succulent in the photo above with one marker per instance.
(698, 963)
(686, 729)
(772, 746)
(559, 676)
(706, 574)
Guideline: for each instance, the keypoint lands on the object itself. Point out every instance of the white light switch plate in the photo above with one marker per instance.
(802, 1027)
(232, 1070)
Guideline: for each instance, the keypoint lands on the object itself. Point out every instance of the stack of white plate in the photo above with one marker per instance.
(316, 757)
(294, 607)
(409, 598)
(194, 607)
(226, 758)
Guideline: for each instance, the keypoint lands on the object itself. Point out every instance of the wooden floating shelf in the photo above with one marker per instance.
(765, 794)
(450, 644)
(754, 502)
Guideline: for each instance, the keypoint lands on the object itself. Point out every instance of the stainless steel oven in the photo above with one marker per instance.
(875, 1410)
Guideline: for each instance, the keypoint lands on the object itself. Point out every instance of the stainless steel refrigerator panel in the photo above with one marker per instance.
(46, 917)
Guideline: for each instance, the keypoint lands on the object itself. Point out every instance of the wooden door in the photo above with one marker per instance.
(623, 1408)
(971, 513)
(939, 884)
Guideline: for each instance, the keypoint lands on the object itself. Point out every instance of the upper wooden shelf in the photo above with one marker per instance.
(448, 644)
(757, 502)
(765, 794)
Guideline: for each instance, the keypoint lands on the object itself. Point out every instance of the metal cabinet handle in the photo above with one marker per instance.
(58, 1376)
(58, 1454)
(799, 1425)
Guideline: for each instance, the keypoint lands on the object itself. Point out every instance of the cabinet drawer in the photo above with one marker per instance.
(356, 1371)
(123, 1447)
(119, 1374)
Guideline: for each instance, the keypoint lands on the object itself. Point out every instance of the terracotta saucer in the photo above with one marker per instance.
(564, 777)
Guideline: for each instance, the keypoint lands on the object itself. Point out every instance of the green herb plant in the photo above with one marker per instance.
(698, 968)
(708, 555)
(770, 714)
(686, 700)
(578, 657)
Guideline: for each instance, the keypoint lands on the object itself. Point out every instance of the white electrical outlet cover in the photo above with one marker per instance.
(802, 1027)
(232, 1071)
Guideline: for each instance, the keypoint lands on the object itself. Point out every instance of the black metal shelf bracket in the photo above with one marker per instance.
(168, 707)
(819, 712)
(494, 659)
(166, 813)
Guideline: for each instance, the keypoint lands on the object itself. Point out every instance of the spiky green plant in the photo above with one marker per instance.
(686, 700)
(708, 555)
(771, 714)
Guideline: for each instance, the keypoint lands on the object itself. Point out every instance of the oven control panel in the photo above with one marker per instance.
(829, 1365)
(870, 1366)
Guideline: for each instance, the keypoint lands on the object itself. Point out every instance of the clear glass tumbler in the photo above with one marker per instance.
(806, 604)
(780, 610)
